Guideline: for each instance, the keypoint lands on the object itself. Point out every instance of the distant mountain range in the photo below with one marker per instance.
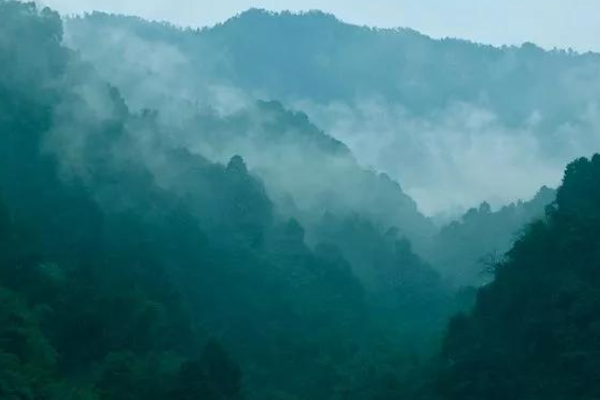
(454, 122)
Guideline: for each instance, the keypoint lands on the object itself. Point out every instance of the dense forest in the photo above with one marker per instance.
(168, 233)
(442, 117)
(464, 250)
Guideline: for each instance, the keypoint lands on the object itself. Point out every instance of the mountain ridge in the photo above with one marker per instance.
(326, 16)
(423, 110)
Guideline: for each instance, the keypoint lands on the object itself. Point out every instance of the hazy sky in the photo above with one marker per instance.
(549, 23)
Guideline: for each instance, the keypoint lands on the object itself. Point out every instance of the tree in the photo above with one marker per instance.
(212, 377)
(534, 331)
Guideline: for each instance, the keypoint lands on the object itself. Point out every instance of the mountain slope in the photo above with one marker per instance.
(440, 116)
(127, 261)
(534, 331)
(464, 249)
(305, 170)
(315, 56)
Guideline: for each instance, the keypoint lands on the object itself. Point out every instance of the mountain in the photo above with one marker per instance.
(315, 56)
(465, 249)
(132, 266)
(306, 171)
(534, 330)
(439, 116)
(167, 231)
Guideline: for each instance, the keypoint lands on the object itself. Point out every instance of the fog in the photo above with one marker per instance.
(462, 155)
(306, 172)
(229, 213)
(449, 155)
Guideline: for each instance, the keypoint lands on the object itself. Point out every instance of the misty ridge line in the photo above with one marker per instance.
(177, 221)
(432, 154)
(320, 13)
(307, 174)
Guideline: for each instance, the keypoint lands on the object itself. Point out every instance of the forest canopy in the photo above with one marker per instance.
(169, 238)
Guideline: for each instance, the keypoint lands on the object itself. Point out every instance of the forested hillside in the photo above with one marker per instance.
(129, 263)
(331, 60)
(442, 117)
(174, 226)
(466, 251)
(217, 118)
(534, 331)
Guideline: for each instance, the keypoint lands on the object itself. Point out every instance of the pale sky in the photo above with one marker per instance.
(548, 23)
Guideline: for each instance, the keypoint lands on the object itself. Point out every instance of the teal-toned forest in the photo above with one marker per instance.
(181, 218)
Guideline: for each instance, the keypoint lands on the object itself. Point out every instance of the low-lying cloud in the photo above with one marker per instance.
(459, 156)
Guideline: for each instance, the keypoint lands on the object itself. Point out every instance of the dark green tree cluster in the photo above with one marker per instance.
(399, 285)
(133, 267)
(122, 257)
(534, 331)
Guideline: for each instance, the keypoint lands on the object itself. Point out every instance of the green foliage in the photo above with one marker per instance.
(214, 376)
(20, 333)
(534, 331)
(465, 250)
(121, 253)
(334, 61)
